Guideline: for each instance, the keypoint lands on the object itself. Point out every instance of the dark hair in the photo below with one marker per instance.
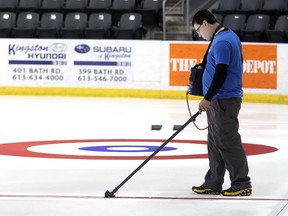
(202, 15)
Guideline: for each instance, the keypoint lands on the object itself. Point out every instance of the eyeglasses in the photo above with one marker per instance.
(197, 30)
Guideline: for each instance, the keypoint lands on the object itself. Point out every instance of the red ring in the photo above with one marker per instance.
(21, 149)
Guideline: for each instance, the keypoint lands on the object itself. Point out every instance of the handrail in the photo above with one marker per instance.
(164, 19)
(187, 15)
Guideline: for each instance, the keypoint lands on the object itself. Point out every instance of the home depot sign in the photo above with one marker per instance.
(259, 65)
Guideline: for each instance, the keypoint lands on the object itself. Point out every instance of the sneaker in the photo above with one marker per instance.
(203, 190)
(237, 192)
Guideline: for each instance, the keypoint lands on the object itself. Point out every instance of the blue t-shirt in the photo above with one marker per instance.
(225, 49)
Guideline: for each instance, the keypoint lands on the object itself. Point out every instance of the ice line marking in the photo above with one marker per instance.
(44, 196)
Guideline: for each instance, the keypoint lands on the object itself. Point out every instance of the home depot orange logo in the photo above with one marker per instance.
(182, 58)
(259, 65)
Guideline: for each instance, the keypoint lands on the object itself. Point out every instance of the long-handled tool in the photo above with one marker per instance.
(109, 194)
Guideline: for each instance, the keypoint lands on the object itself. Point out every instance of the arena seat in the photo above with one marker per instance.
(51, 5)
(151, 12)
(249, 7)
(7, 22)
(26, 24)
(235, 22)
(50, 24)
(8, 5)
(74, 6)
(28, 5)
(99, 6)
(99, 26)
(227, 6)
(120, 7)
(74, 24)
(130, 27)
(255, 27)
(278, 33)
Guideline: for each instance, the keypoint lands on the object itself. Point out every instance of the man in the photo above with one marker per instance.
(222, 88)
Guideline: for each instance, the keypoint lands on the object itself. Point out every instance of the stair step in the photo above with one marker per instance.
(174, 14)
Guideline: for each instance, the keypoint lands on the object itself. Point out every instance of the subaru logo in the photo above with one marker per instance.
(82, 48)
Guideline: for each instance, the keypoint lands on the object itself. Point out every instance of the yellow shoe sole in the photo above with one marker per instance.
(243, 192)
(205, 191)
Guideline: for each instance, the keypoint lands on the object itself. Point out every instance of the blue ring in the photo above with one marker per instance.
(106, 148)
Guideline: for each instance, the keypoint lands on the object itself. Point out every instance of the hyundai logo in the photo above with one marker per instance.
(82, 48)
(58, 47)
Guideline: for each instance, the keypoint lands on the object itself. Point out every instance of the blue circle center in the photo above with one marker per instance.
(125, 148)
